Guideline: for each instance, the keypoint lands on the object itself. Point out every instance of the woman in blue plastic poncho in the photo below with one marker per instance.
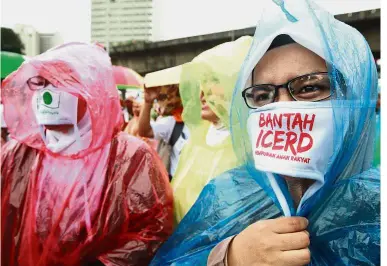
(304, 106)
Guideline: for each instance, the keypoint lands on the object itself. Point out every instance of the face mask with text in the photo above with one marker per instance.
(292, 138)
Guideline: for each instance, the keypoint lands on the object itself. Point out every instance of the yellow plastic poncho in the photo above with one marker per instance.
(215, 73)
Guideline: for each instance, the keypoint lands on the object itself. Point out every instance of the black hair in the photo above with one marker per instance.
(281, 40)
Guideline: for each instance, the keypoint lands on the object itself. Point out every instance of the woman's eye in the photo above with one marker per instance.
(261, 97)
(309, 89)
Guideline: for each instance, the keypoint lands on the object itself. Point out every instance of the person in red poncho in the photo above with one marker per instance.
(74, 189)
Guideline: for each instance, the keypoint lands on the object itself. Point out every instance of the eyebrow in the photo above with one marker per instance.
(314, 70)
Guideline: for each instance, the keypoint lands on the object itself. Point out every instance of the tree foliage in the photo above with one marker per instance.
(11, 42)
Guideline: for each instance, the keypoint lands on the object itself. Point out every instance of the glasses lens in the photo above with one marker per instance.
(36, 83)
(259, 96)
(310, 88)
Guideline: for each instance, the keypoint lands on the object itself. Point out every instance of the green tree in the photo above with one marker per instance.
(11, 42)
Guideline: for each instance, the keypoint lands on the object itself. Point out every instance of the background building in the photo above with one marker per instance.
(36, 43)
(49, 40)
(30, 37)
(121, 21)
(153, 56)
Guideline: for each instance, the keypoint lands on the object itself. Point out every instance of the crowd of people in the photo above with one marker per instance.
(261, 152)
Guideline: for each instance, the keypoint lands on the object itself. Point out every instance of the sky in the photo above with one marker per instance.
(71, 18)
(206, 16)
(172, 18)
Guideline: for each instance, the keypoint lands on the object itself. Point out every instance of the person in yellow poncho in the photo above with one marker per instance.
(206, 86)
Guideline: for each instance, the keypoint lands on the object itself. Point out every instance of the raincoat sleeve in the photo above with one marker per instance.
(14, 155)
(218, 255)
(145, 188)
(15, 161)
(227, 204)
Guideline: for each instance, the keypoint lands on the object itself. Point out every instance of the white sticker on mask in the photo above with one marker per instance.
(296, 142)
(55, 107)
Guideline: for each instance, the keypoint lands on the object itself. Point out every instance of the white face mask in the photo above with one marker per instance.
(293, 138)
(55, 107)
(3, 124)
(76, 139)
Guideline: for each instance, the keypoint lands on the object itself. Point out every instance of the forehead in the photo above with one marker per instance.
(285, 62)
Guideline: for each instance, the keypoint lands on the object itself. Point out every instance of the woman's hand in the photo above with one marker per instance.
(151, 94)
(281, 241)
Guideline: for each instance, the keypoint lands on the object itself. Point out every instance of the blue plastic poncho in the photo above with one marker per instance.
(344, 214)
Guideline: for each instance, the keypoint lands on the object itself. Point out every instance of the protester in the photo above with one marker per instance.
(74, 189)
(307, 148)
(124, 114)
(132, 127)
(169, 128)
(209, 151)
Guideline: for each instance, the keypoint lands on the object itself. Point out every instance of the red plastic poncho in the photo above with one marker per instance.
(109, 202)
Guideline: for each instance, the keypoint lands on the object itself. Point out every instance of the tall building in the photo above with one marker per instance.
(34, 42)
(49, 40)
(121, 21)
(30, 37)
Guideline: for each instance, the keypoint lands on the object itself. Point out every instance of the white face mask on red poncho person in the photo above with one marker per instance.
(292, 138)
(53, 106)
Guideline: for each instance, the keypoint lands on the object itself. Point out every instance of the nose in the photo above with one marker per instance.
(283, 96)
(202, 97)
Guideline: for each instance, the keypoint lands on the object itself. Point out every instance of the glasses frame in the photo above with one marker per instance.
(286, 86)
(31, 87)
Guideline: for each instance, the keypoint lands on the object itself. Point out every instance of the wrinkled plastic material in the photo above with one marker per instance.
(208, 73)
(376, 162)
(110, 201)
(344, 215)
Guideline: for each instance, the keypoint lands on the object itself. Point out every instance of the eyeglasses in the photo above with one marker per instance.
(312, 87)
(37, 83)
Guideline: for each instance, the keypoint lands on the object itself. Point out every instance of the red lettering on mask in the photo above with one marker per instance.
(259, 138)
(291, 139)
(297, 121)
(306, 147)
(282, 139)
(288, 119)
(278, 140)
(310, 122)
(264, 144)
(269, 121)
(277, 120)
(261, 120)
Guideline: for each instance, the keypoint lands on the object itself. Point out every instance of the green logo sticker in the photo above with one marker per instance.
(47, 98)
